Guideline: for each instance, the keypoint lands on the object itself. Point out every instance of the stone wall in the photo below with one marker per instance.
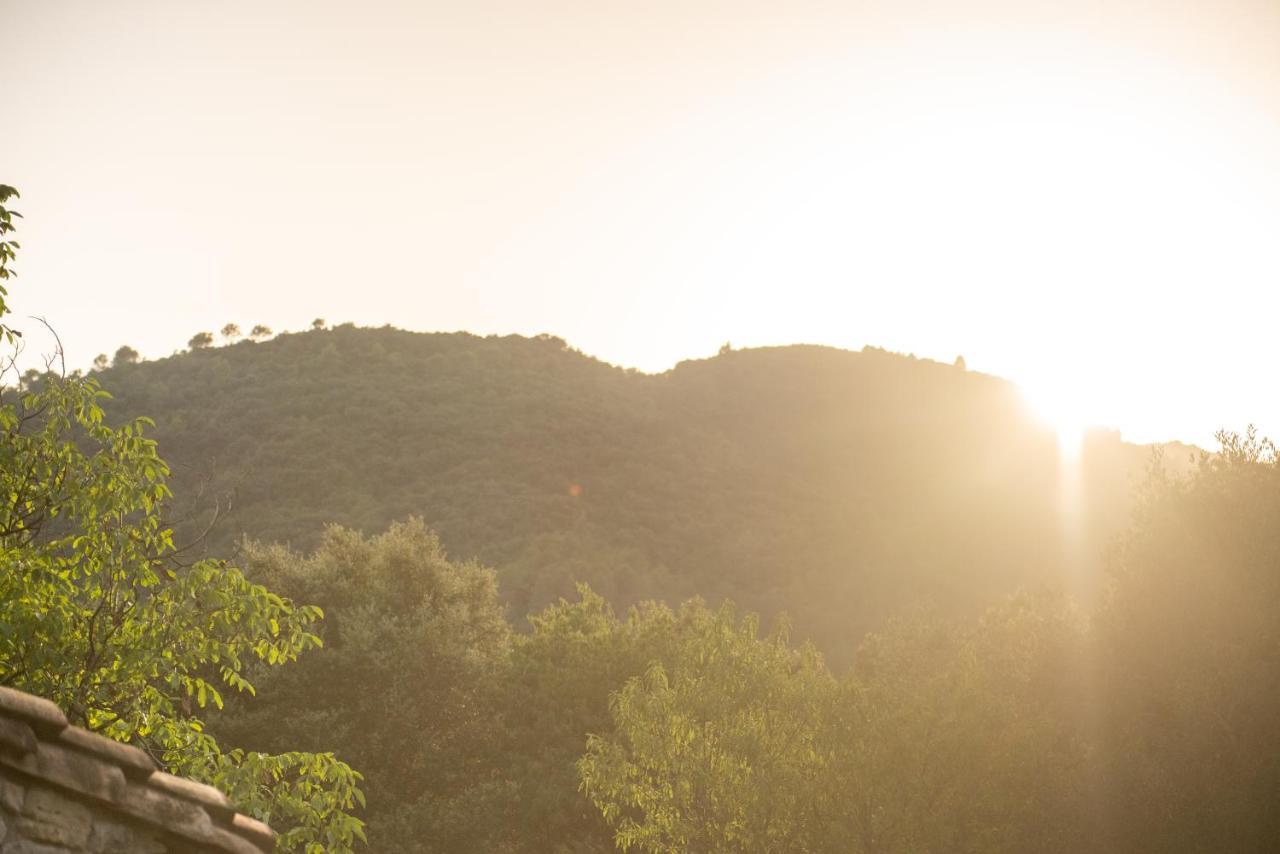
(36, 819)
(64, 790)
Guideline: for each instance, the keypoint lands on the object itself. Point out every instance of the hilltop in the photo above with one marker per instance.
(840, 486)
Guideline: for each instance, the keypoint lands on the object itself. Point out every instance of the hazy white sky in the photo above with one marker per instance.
(1084, 197)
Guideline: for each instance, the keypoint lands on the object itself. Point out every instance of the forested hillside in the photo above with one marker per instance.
(420, 709)
(839, 486)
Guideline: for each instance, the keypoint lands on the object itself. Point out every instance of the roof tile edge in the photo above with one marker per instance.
(38, 743)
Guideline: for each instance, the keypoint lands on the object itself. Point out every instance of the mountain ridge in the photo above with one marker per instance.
(841, 486)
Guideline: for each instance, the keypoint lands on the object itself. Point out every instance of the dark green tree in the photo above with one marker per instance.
(403, 687)
(555, 692)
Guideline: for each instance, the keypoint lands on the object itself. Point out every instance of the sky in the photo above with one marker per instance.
(1081, 196)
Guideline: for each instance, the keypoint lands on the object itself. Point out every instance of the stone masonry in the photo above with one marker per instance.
(64, 790)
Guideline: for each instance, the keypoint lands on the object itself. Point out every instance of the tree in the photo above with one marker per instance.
(7, 254)
(725, 477)
(318, 323)
(260, 332)
(555, 691)
(1188, 642)
(942, 738)
(100, 362)
(230, 332)
(200, 340)
(952, 737)
(717, 751)
(98, 614)
(125, 355)
(412, 644)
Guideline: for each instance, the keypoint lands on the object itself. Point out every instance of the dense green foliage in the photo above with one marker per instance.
(837, 486)
(554, 692)
(1146, 723)
(452, 718)
(412, 644)
(934, 742)
(1151, 727)
(851, 488)
(99, 614)
(718, 751)
(8, 250)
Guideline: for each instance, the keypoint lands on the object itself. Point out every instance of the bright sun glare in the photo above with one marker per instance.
(1062, 411)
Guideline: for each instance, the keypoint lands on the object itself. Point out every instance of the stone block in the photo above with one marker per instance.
(179, 817)
(37, 711)
(225, 840)
(11, 794)
(198, 793)
(51, 817)
(255, 831)
(131, 759)
(26, 846)
(65, 790)
(17, 737)
(78, 772)
(111, 837)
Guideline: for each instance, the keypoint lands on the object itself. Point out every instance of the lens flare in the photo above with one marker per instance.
(1062, 410)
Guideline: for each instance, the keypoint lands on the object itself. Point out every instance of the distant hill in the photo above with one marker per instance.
(840, 486)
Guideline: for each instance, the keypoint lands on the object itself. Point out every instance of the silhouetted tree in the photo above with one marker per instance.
(318, 323)
(960, 363)
(200, 340)
(126, 355)
(1188, 649)
(100, 362)
(230, 332)
(259, 332)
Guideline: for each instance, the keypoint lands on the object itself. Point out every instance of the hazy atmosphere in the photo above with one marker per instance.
(668, 428)
(1082, 196)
